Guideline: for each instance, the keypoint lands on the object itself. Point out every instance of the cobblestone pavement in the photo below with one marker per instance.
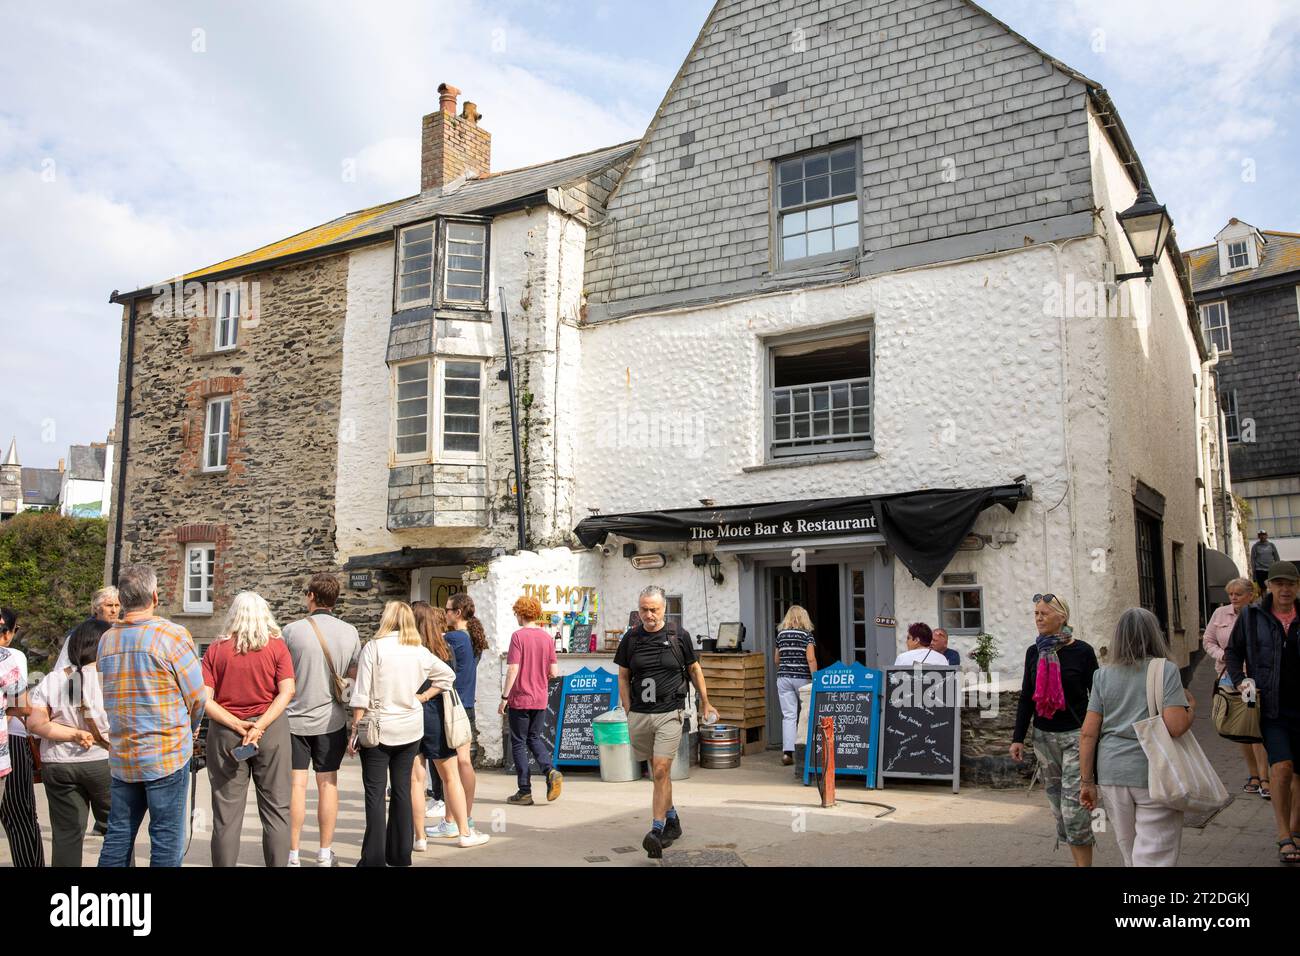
(757, 815)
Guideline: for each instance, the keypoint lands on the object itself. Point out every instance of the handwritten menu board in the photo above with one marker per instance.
(849, 694)
(585, 695)
(922, 724)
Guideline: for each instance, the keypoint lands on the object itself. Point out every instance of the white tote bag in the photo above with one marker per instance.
(1178, 774)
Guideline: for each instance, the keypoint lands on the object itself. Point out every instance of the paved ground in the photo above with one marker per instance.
(758, 815)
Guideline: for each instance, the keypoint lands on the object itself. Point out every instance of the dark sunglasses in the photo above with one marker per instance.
(1045, 598)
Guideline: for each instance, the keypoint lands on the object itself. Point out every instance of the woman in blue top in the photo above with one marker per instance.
(467, 640)
(795, 657)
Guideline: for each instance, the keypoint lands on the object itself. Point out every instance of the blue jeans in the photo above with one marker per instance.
(165, 800)
(526, 735)
(787, 692)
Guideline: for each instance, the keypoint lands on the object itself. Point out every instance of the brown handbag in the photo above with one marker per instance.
(338, 687)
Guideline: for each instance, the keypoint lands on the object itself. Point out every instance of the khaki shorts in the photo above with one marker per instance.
(660, 734)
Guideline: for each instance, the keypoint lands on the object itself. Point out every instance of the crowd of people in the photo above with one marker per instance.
(115, 722)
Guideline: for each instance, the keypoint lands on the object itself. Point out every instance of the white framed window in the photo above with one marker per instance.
(1239, 254)
(1279, 515)
(411, 400)
(216, 434)
(816, 205)
(438, 410)
(464, 269)
(415, 266)
(1231, 423)
(961, 610)
(1214, 320)
(819, 395)
(200, 562)
(226, 326)
(462, 408)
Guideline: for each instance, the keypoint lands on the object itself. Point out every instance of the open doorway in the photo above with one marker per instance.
(817, 591)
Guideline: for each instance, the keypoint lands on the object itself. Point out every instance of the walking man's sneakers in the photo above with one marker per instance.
(521, 799)
(653, 844)
(554, 781)
(672, 830)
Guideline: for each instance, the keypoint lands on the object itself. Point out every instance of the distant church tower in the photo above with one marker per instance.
(11, 483)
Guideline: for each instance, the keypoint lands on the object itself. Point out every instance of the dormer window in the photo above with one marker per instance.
(1239, 255)
(453, 251)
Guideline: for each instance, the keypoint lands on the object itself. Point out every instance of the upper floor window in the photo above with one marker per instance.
(1238, 254)
(465, 258)
(1214, 320)
(455, 251)
(819, 399)
(216, 434)
(226, 327)
(1231, 423)
(438, 409)
(415, 266)
(817, 205)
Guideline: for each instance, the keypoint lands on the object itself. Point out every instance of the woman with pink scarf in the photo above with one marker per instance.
(1241, 592)
(1054, 693)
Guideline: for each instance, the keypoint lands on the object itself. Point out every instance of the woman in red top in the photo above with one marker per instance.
(248, 675)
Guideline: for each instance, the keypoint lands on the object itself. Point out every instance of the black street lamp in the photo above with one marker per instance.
(1146, 224)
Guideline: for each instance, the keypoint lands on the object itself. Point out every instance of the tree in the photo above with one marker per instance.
(50, 568)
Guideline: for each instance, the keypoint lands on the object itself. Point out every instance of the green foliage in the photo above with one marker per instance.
(50, 567)
(986, 651)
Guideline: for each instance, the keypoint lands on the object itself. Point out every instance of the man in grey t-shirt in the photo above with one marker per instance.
(317, 722)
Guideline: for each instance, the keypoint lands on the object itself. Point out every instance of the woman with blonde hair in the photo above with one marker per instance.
(396, 675)
(1241, 592)
(432, 625)
(249, 679)
(795, 656)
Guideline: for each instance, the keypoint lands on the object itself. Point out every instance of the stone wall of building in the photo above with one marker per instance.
(271, 512)
(985, 745)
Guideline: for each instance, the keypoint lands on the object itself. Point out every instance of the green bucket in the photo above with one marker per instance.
(610, 731)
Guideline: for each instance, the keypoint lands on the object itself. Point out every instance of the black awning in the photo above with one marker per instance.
(1219, 570)
(924, 528)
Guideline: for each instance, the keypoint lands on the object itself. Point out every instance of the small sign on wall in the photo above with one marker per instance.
(359, 580)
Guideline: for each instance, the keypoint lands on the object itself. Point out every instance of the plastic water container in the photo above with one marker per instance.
(616, 762)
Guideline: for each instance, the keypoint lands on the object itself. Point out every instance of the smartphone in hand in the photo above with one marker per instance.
(244, 751)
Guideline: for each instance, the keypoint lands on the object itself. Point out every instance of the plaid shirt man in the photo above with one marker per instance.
(153, 688)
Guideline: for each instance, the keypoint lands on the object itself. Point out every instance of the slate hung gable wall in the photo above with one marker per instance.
(963, 127)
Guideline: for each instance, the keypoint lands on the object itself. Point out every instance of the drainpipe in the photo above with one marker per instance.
(125, 438)
(514, 422)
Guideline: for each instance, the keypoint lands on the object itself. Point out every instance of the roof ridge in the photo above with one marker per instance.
(551, 162)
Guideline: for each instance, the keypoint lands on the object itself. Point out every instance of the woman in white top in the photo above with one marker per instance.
(68, 716)
(396, 674)
(919, 651)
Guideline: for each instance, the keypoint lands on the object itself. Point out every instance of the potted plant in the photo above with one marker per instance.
(985, 653)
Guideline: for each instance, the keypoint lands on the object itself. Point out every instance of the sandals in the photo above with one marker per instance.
(1264, 790)
(1287, 856)
(1252, 785)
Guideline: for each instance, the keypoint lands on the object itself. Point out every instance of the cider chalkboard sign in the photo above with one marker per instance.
(549, 723)
(850, 695)
(584, 696)
(922, 724)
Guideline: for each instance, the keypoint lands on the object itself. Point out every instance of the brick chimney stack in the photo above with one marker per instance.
(451, 145)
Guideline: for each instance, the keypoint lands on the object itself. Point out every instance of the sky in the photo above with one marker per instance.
(141, 140)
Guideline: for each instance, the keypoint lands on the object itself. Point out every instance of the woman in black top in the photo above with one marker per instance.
(1054, 692)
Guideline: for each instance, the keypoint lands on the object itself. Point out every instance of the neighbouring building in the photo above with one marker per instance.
(80, 489)
(1247, 286)
(837, 330)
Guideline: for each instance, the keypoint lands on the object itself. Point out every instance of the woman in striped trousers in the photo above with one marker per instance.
(18, 805)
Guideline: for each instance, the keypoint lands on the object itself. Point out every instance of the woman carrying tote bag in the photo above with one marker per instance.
(1111, 755)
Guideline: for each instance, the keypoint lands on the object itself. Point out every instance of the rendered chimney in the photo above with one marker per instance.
(452, 146)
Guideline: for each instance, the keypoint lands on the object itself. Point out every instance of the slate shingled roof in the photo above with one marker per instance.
(1280, 256)
(480, 194)
(41, 487)
(86, 463)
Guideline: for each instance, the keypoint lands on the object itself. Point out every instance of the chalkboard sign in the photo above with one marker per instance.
(554, 691)
(921, 736)
(580, 639)
(850, 695)
(585, 696)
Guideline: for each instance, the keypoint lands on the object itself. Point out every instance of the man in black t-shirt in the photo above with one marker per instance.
(656, 665)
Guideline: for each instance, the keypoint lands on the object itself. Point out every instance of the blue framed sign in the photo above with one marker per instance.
(584, 696)
(850, 695)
